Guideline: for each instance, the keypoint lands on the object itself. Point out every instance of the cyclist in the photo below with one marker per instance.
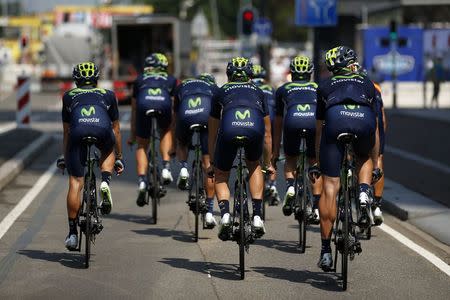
(240, 109)
(152, 90)
(259, 79)
(379, 185)
(192, 105)
(345, 103)
(296, 101)
(89, 111)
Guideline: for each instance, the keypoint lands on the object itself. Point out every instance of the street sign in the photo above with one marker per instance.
(263, 29)
(315, 13)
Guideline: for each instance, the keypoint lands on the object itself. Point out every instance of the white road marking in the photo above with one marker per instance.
(439, 263)
(7, 127)
(26, 200)
(422, 160)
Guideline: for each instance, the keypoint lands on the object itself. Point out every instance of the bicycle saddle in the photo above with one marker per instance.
(195, 127)
(346, 137)
(240, 140)
(90, 140)
(152, 113)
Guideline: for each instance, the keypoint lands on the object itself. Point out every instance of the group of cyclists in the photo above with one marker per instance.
(348, 101)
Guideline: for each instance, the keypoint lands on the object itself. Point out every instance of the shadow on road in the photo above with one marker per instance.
(285, 246)
(71, 260)
(178, 235)
(320, 280)
(219, 270)
(130, 218)
(309, 228)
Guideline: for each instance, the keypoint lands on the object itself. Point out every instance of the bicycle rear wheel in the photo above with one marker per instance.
(301, 202)
(88, 223)
(345, 232)
(154, 173)
(197, 198)
(241, 227)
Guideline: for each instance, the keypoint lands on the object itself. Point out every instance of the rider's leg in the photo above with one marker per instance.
(289, 174)
(142, 169)
(316, 191)
(379, 186)
(182, 155)
(256, 183)
(222, 190)
(327, 209)
(208, 183)
(165, 147)
(107, 161)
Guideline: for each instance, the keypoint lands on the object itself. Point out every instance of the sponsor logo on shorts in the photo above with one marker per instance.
(352, 114)
(89, 120)
(155, 95)
(303, 110)
(241, 116)
(194, 111)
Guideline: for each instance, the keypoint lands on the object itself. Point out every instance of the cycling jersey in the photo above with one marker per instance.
(241, 107)
(269, 92)
(346, 103)
(153, 90)
(89, 112)
(192, 104)
(297, 102)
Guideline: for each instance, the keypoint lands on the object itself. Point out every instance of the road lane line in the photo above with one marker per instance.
(422, 160)
(26, 200)
(439, 263)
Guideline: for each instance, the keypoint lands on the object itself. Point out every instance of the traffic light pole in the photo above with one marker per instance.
(393, 38)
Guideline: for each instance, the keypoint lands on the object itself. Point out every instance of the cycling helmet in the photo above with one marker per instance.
(239, 69)
(157, 61)
(259, 72)
(209, 78)
(85, 73)
(301, 65)
(339, 58)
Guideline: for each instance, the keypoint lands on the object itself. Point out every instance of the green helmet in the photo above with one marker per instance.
(85, 73)
(301, 65)
(157, 61)
(339, 58)
(259, 72)
(208, 77)
(239, 69)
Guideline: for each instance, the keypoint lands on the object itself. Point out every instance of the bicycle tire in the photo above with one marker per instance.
(345, 251)
(241, 223)
(197, 197)
(154, 173)
(87, 230)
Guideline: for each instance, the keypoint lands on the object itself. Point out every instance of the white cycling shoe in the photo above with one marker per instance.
(210, 221)
(225, 226)
(183, 179)
(71, 242)
(377, 216)
(258, 226)
(326, 262)
(166, 176)
(107, 203)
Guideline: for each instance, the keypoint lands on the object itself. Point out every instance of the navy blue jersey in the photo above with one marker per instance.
(237, 95)
(189, 90)
(154, 86)
(293, 94)
(269, 92)
(342, 89)
(89, 107)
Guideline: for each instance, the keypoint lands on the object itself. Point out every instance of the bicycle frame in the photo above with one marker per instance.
(152, 172)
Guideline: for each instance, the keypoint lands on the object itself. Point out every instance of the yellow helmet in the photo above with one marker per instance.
(301, 65)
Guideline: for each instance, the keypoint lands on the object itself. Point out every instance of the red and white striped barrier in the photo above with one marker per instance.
(23, 102)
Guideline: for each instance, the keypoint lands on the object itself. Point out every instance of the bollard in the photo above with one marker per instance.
(23, 102)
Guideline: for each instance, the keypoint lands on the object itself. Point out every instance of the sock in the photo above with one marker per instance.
(73, 226)
(377, 201)
(224, 206)
(364, 187)
(184, 164)
(257, 204)
(316, 199)
(106, 176)
(326, 248)
(166, 164)
(210, 204)
(271, 182)
(289, 182)
(142, 178)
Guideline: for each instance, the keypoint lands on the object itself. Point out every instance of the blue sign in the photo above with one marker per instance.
(263, 27)
(315, 13)
(407, 59)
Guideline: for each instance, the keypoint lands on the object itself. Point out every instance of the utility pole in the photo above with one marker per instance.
(393, 38)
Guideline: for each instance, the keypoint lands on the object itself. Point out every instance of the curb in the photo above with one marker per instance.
(11, 168)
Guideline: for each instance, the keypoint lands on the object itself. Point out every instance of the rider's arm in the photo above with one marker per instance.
(384, 119)
(267, 141)
(118, 136)
(133, 119)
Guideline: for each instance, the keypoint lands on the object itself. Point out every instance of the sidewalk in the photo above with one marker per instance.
(19, 147)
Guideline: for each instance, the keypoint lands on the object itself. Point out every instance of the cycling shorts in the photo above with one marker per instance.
(295, 121)
(143, 122)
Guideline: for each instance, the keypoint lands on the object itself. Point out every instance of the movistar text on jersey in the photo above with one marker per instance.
(155, 98)
(88, 120)
(194, 111)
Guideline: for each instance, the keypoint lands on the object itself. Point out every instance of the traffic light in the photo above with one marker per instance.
(23, 42)
(247, 18)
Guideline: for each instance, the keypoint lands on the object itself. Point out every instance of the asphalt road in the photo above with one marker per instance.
(134, 259)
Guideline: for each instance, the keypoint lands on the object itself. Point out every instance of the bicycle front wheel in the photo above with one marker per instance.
(241, 230)
(154, 174)
(197, 198)
(88, 223)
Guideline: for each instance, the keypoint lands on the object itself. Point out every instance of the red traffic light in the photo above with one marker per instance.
(248, 15)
